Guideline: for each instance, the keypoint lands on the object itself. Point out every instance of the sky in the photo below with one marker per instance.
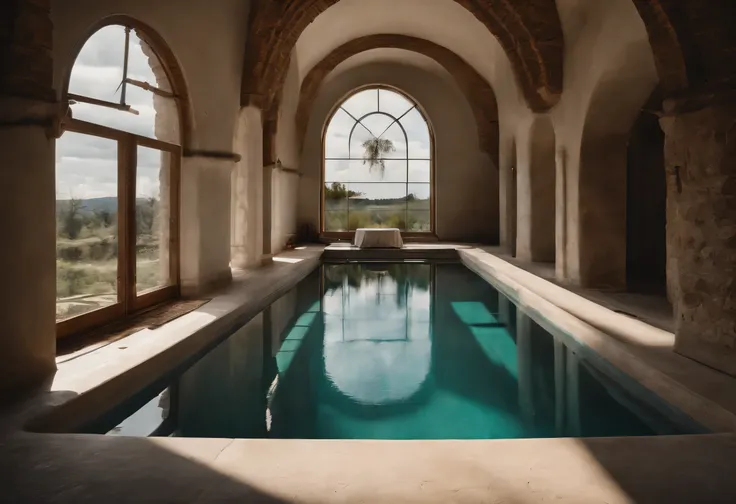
(344, 156)
(86, 166)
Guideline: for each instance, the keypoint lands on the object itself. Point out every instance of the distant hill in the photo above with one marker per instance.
(92, 205)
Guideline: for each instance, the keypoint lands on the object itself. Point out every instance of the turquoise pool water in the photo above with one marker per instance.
(395, 351)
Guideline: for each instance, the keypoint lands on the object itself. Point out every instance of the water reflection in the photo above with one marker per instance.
(401, 351)
(377, 342)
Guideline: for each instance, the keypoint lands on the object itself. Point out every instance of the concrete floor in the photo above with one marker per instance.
(64, 468)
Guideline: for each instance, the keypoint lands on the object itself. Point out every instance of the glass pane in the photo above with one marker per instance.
(377, 124)
(98, 73)
(98, 70)
(336, 136)
(336, 207)
(420, 146)
(418, 221)
(362, 103)
(152, 213)
(396, 135)
(379, 205)
(419, 171)
(359, 171)
(418, 196)
(86, 224)
(357, 141)
(336, 221)
(393, 103)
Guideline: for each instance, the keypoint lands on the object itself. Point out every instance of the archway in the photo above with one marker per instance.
(531, 36)
(478, 92)
(377, 171)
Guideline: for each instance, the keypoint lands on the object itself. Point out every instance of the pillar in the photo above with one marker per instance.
(700, 158)
(247, 228)
(536, 194)
(507, 198)
(205, 221)
(28, 113)
(268, 217)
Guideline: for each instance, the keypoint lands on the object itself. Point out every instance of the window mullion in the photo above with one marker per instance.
(127, 222)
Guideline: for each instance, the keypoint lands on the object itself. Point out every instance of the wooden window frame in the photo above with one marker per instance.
(349, 235)
(129, 301)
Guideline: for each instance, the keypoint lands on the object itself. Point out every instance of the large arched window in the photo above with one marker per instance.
(117, 183)
(377, 165)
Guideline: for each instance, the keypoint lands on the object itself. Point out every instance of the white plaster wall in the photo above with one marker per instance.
(466, 181)
(287, 146)
(284, 208)
(247, 191)
(285, 182)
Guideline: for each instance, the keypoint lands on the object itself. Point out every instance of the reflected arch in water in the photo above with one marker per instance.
(378, 335)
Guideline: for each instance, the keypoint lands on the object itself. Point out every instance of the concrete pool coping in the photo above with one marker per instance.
(89, 468)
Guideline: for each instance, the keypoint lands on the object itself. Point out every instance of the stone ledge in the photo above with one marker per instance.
(617, 340)
(88, 385)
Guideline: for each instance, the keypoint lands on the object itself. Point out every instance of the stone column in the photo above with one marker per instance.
(28, 115)
(205, 222)
(700, 157)
(247, 229)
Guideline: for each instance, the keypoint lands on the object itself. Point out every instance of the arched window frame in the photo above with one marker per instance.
(415, 105)
(129, 301)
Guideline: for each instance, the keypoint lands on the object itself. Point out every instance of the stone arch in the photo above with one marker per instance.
(530, 33)
(693, 44)
(163, 63)
(478, 92)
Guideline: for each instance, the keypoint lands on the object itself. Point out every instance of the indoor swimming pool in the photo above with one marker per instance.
(411, 350)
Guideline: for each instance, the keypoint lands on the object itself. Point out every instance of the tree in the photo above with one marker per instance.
(71, 218)
(375, 149)
(338, 191)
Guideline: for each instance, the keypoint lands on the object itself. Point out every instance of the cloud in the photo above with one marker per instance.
(87, 165)
(398, 170)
